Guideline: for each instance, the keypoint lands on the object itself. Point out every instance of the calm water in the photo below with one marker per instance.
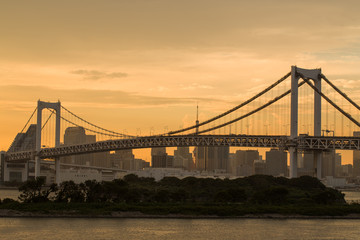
(149, 229)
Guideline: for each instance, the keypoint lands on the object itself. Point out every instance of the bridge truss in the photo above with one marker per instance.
(304, 143)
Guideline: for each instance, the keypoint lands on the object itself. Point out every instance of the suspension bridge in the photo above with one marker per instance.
(309, 104)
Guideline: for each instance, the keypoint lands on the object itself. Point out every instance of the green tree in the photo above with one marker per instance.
(223, 196)
(170, 182)
(328, 196)
(70, 192)
(131, 178)
(33, 191)
(306, 182)
(277, 195)
(115, 190)
(162, 195)
(133, 195)
(92, 190)
(237, 194)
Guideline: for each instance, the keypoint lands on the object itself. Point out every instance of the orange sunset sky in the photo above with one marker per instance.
(147, 63)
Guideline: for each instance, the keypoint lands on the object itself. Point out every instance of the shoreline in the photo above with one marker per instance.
(7, 213)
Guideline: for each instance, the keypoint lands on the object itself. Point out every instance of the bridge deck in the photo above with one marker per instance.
(258, 141)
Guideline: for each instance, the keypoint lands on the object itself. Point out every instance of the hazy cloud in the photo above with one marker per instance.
(196, 86)
(95, 98)
(96, 75)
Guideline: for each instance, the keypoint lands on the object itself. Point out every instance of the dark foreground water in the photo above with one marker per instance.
(173, 229)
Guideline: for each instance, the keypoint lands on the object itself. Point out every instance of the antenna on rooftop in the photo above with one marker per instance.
(197, 117)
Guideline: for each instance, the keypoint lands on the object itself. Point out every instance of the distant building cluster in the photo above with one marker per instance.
(201, 162)
(123, 159)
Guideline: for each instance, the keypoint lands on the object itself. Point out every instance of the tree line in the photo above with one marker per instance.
(256, 189)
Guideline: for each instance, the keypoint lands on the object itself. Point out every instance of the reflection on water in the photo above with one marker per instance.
(252, 229)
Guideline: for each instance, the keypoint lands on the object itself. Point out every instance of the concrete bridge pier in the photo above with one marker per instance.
(57, 108)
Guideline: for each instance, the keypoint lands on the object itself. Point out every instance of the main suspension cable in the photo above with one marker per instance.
(251, 112)
(106, 130)
(329, 101)
(340, 92)
(90, 130)
(233, 109)
(28, 120)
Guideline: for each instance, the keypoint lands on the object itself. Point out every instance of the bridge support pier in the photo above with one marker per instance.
(293, 162)
(37, 166)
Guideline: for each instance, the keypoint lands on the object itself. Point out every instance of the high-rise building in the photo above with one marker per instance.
(123, 159)
(338, 168)
(356, 159)
(244, 170)
(159, 157)
(259, 167)
(231, 164)
(328, 163)
(244, 162)
(183, 158)
(306, 166)
(24, 141)
(276, 162)
(77, 135)
(140, 164)
(211, 158)
(19, 171)
(200, 158)
(222, 157)
(347, 170)
(308, 160)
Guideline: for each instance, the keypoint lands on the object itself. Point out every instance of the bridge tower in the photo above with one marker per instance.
(313, 74)
(57, 107)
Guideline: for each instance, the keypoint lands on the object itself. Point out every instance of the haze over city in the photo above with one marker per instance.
(187, 119)
(145, 65)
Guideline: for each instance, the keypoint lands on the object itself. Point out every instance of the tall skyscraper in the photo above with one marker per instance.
(356, 159)
(276, 162)
(338, 165)
(77, 135)
(308, 159)
(160, 159)
(244, 162)
(123, 159)
(200, 158)
(259, 167)
(24, 141)
(211, 158)
(183, 158)
(328, 163)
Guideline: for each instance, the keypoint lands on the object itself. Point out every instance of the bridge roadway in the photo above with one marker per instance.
(302, 143)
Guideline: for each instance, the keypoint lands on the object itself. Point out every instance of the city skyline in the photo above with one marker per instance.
(161, 58)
